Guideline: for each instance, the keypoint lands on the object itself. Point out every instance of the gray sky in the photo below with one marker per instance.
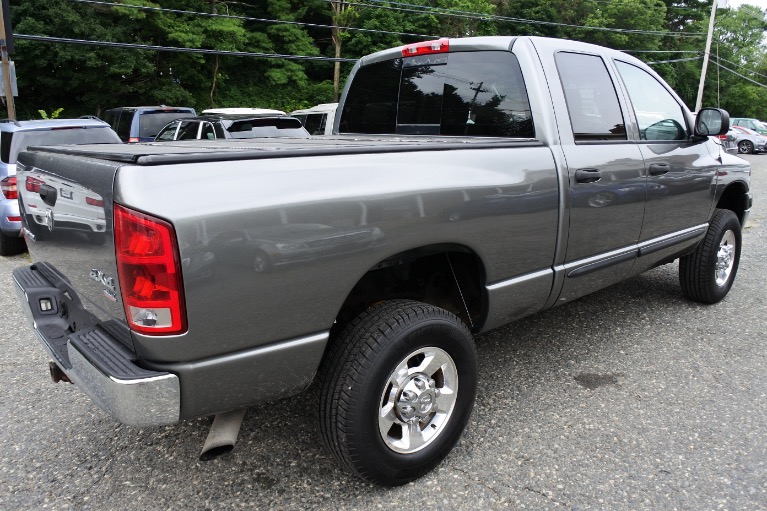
(762, 4)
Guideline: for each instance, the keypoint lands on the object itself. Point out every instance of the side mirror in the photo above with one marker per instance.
(711, 122)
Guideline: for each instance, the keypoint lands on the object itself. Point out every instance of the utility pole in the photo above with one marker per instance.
(699, 101)
(6, 68)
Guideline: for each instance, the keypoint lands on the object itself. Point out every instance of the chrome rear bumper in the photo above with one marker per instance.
(96, 362)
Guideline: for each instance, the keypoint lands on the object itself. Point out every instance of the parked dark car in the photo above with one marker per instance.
(210, 127)
(143, 123)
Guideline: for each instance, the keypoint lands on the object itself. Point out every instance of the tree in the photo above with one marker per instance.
(740, 51)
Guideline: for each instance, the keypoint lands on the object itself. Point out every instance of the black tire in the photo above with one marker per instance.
(11, 245)
(745, 147)
(354, 384)
(706, 275)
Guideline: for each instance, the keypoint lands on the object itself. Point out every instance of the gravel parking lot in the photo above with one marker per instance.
(631, 398)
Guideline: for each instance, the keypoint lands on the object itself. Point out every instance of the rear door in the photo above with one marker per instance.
(606, 176)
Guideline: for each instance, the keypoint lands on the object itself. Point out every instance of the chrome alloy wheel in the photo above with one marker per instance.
(725, 258)
(418, 400)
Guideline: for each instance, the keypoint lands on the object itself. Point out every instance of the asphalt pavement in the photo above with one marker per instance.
(630, 398)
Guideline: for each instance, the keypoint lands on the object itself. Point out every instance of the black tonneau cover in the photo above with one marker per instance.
(189, 151)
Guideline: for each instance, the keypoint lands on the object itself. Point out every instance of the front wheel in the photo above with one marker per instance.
(706, 275)
(395, 390)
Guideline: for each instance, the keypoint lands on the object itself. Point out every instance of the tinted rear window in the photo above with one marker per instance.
(63, 136)
(463, 93)
(152, 121)
(266, 127)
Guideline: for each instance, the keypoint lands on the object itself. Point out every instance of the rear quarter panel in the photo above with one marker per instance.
(501, 203)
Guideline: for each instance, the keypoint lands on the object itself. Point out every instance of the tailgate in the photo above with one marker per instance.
(66, 209)
(71, 292)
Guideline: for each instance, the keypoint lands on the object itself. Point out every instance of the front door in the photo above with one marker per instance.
(680, 171)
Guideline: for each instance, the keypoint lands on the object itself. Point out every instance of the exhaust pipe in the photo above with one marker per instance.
(222, 435)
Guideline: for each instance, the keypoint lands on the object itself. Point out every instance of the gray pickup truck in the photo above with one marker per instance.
(470, 182)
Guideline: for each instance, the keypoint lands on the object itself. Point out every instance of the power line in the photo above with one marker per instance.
(247, 18)
(419, 9)
(742, 76)
(740, 66)
(111, 44)
(661, 51)
(674, 60)
(422, 10)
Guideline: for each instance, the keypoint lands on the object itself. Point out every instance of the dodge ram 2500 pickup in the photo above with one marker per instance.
(468, 183)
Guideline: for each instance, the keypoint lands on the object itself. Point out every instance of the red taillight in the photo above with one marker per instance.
(8, 186)
(133, 139)
(33, 184)
(426, 47)
(94, 202)
(149, 272)
(722, 137)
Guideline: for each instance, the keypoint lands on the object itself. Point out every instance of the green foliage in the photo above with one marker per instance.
(54, 115)
(86, 79)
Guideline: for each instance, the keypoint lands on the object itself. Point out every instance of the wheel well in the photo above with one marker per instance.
(734, 198)
(446, 276)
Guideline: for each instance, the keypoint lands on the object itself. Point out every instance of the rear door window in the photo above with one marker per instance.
(207, 132)
(462, 93)
(188, 130)
(595, 113)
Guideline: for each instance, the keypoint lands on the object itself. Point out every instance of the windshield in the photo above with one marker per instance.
(20, 140)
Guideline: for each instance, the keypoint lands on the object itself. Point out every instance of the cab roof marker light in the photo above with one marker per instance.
(426, 47)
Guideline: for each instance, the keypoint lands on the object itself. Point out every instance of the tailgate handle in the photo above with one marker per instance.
(48, 194)
(658, 169)
(587, 176)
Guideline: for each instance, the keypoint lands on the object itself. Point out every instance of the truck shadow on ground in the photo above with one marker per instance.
(279, 448)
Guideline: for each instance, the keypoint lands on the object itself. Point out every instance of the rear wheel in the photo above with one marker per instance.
(11, 245)
(706, 275)
(396, 389)
(744, 146)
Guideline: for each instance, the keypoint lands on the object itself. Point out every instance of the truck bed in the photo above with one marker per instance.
(190, 151)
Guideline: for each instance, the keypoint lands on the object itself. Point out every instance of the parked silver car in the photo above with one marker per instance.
(748, 140)
(16, 136)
